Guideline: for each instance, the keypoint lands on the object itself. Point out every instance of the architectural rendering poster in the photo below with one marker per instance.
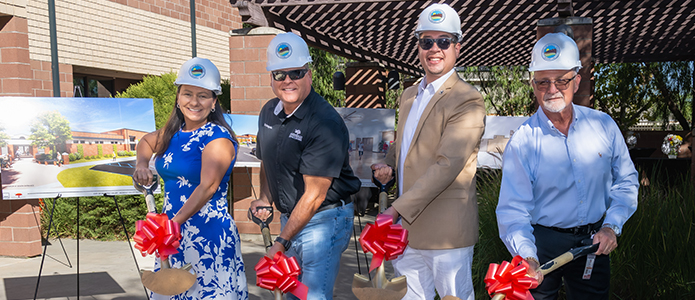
(70, 147)
(498, 131)
(245, 127)
(371, 134)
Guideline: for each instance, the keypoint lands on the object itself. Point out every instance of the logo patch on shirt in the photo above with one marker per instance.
(297, 135)
(267, 126)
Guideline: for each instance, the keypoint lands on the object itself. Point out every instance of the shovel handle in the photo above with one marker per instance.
(151, 206)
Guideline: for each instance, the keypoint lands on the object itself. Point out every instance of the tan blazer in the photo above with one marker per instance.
(438, 205)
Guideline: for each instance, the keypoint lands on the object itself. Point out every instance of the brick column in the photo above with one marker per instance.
(583, 36)
(16, 76)
(250, 90)
(364, 85)
(20, 232)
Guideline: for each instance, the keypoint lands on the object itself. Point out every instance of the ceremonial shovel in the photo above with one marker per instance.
(381, 288)
(166, 281)
(265, 231)
(560, 261)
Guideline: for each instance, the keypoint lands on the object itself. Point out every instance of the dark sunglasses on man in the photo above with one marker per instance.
(442, 43)
(294, 74)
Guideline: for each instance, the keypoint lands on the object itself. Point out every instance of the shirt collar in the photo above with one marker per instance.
(547, 122)
(437, 83)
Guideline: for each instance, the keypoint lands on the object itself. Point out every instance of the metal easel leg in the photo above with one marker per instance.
(127, 238)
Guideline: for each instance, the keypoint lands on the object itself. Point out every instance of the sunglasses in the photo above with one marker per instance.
(560, 84)
(294, 74)
(442, 43)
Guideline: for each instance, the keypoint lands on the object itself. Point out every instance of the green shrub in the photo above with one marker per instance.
(98, 216)
(100, 151)
(80, 151)
(72, 157)
(115, 148)
(160, 89)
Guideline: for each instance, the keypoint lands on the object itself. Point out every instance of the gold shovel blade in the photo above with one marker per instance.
(168, 281)
(393, 289)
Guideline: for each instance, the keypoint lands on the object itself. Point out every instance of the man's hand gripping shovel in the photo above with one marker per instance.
(510, 281)
(278, 274)
(381, 288)
(156, 233)
(265, 231)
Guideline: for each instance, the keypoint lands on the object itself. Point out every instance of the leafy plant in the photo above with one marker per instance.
(506, 89)
(160, 89)
(99, 217)
(325, 64)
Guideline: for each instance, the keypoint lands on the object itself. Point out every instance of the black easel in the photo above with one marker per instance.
(48, 233)
(127, 238)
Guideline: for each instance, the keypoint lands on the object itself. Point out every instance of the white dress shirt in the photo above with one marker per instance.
(563, 181)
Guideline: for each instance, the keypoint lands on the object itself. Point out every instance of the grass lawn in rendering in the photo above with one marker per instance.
(84, 177)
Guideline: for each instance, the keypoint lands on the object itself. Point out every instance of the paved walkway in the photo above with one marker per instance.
(107, 271)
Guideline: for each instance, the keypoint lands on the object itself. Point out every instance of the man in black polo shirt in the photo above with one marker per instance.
(302, 144)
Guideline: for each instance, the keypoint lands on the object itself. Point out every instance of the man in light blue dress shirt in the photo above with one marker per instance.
(567, 177)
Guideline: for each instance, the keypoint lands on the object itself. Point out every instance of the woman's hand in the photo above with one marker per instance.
(143, 176)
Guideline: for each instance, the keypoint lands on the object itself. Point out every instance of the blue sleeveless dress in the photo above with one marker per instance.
(210, 239)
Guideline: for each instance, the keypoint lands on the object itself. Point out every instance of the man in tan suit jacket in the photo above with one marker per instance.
(435, 157)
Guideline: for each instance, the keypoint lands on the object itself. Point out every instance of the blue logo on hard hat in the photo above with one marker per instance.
(551, 52)
(197, 71)
(283, 50)
(437, 16)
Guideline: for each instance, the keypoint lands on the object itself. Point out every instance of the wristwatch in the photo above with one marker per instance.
(615, 228)
(285, 243)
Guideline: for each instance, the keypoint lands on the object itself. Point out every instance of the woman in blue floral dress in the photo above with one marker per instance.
(195, 153)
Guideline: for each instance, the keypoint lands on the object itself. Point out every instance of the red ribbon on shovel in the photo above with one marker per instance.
(280, 273)
(383, 239)
(157, 233)
(510, 279)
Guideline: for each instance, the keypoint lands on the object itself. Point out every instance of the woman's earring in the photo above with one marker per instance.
(212, 110)
(177, 106)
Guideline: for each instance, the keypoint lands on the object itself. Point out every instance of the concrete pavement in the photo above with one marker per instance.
(107, 270)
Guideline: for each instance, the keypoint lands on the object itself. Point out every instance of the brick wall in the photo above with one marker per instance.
(133, 36)
(250, 82)
(217, 14)
(16, 73)
(20, 234)
(43, 79)
(250, 90)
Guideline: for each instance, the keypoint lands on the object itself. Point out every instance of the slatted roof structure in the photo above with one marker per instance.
(495, 32)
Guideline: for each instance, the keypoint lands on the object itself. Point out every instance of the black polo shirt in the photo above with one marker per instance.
(312, 141)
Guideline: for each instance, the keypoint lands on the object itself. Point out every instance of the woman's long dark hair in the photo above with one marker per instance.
(176, 119)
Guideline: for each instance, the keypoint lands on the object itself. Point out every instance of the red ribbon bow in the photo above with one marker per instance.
(510, 279)
(383, 239)
(280, 273)
(157, 233)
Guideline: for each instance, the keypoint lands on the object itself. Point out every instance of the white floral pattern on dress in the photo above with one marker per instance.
(210, 239)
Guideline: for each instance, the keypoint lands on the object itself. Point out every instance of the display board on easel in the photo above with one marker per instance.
(72, 147)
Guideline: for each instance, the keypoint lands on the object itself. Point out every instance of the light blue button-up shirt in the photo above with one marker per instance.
(563, 181)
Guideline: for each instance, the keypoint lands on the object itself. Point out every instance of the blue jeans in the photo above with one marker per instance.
(318, 248)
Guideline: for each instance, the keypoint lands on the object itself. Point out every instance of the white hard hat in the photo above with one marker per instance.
(287, 50)
(200, 72)
(555, 51)
(439, 17)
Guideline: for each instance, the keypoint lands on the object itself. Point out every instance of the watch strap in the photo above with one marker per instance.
(285, 243)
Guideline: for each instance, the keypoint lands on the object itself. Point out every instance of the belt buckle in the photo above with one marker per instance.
(575, 230)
